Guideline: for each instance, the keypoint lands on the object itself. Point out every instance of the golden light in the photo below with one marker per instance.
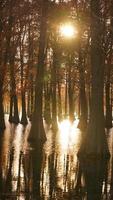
(68, 133)
(68, 31)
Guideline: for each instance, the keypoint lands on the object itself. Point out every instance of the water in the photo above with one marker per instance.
(52, 173)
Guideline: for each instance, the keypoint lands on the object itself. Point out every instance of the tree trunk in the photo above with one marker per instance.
(23, 100)
(108, 119)
(95, 143)
(47, 103)
(71, 96)
(54, 97)
(14, 115)
(37, 132)
(2, 121)
(66, 96)
(83, 102)
(11, 109)
(59, 102)
(16, 112)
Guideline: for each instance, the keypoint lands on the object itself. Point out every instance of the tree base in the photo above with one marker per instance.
(24, 122)
(14, 120)
(37, 136)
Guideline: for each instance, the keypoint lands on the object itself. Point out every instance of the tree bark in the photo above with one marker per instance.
(95, 142)
(37, 133)
(83, 101)
(14, 115)
(108, 117)
(54, 83)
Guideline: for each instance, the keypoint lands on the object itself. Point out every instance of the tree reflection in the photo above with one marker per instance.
(92, 179)
(1, 177)
(111, 184)
(52, 162)
(52, 172)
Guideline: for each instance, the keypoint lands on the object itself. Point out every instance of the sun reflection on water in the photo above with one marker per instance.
(68, 133)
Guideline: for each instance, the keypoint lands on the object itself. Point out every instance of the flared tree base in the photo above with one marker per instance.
(37, 135)
(24, 121)
(14, 120)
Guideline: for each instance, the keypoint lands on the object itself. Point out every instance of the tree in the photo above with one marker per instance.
(95, 143)
(37, 132)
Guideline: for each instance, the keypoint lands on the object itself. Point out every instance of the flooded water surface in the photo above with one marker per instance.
(52, 173)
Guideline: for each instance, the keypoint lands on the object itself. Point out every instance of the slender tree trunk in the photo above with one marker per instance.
(66, 96)
(108, 76)
(54, 97)
(32, 98)
(2, 121)
(59, 102)
(24, 115)
(11, 108)
(37, 132)
(108, 119)
(28, 104)
(47, 105)
(16, 112)
(14, 115)
(23, 99)
(71, 96)
(83, 102)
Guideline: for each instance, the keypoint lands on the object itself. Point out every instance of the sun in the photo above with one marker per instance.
(68, 31)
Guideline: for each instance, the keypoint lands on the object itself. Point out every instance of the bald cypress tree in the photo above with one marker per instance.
(37, 132)
(95, 143)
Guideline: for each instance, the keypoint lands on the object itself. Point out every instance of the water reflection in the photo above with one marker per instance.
(91, 180)
(53, 172)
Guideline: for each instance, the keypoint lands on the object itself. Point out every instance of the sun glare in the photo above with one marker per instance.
(68, 31)
(68, 133)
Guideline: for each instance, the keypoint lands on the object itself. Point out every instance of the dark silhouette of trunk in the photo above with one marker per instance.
(66, 96)
(108, 117)
(59, 102)
(95, 142)
(71, 95)
(28, 104)
(47, 104)
(30, 99)
(30, 93)
(11, 108)
(83, 101)
(2, 121)
(54, 96)
(23, 99)
(24, 117)
(14, 115)
(37, 132)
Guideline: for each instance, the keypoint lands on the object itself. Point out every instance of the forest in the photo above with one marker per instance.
(56, 99)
